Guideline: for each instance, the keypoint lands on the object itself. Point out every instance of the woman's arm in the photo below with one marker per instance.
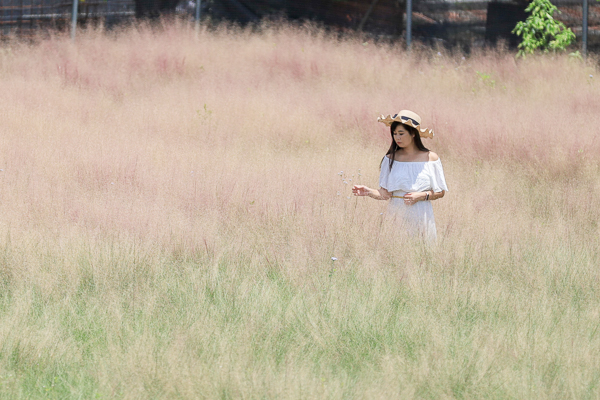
(381, 194)
(435, 195)
(411, 198)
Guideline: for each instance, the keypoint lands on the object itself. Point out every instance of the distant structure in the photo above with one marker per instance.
(447, 23)
(154, 8)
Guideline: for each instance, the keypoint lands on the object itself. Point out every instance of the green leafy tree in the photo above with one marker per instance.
(540, 31)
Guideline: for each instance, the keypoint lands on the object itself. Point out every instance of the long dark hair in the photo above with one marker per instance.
(414, 132)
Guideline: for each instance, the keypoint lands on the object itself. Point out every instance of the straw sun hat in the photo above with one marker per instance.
(409, 118)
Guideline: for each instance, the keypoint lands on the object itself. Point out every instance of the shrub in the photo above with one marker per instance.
(540, 31)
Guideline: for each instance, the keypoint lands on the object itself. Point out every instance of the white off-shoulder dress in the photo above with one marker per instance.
(410, 177)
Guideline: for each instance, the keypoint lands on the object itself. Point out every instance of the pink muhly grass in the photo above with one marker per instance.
(263, 118)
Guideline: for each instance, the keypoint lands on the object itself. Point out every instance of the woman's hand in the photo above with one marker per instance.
(412, 198)
(381, 194)
(360, 190)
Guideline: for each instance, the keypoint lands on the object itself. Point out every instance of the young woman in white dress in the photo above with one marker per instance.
(411, 176)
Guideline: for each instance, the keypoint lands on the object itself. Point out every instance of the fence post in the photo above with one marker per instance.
(197, 17)
(74, 19)
(408, 24)
(584, 30)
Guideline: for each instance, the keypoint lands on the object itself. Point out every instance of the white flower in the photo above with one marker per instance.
(341, 173)
(333, 258)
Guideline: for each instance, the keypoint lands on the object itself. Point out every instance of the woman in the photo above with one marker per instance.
(411, 175)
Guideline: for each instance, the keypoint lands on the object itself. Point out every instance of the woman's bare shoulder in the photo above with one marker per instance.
(433, 156)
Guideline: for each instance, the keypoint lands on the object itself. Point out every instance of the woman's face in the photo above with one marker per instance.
(402, 137)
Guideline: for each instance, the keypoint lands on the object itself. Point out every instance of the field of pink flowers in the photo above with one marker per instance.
(172, 202)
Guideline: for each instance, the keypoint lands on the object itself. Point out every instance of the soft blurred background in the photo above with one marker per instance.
(451, 24)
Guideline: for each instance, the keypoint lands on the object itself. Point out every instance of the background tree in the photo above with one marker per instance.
(540, 31)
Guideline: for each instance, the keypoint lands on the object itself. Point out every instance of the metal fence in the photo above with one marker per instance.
(27, 17)
(465, 23)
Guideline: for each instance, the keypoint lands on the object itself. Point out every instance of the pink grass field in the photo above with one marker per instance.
(146, 132)
(158, 146)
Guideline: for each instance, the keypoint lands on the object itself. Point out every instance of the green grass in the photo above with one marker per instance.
(228, 327)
